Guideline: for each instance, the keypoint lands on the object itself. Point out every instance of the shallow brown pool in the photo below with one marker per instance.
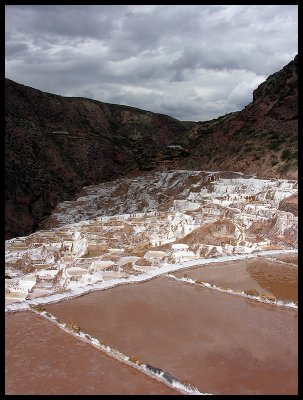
(42, 359)
(264, 275)
(287, 257)
(221, 343)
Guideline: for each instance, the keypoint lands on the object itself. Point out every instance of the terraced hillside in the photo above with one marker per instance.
(201, 276)
(55, 145)
(177, 216)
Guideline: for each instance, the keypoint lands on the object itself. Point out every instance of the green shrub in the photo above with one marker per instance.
(286, 154)
(274, 145)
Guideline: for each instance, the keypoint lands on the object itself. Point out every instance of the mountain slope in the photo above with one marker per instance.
(55, 145)
(261, 139)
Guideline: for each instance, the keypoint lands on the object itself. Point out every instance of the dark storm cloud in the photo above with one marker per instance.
(61, 21)
(13, 49)
(192, 62)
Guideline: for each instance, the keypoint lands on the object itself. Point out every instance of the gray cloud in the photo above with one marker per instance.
(192, 62)
(13, 50)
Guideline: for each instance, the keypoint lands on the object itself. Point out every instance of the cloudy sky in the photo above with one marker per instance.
(193, 62)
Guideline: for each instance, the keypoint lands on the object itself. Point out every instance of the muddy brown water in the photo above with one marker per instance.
(222, 344)
(42, 359)
(264, 275)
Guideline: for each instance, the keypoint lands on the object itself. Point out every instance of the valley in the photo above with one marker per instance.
(148, 255)
(124, 265)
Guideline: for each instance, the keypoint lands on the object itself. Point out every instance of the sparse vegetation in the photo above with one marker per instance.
(282, 169)
(276, 141)
(72, 326)
(135, 360)
(286, 154)
(37, 308)
(251, 292)
(268, 297)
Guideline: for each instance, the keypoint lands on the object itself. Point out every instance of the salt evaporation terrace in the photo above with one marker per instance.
(41, 359)
(132, 230)
(221, 344)
(203, 216)
(260, 276)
